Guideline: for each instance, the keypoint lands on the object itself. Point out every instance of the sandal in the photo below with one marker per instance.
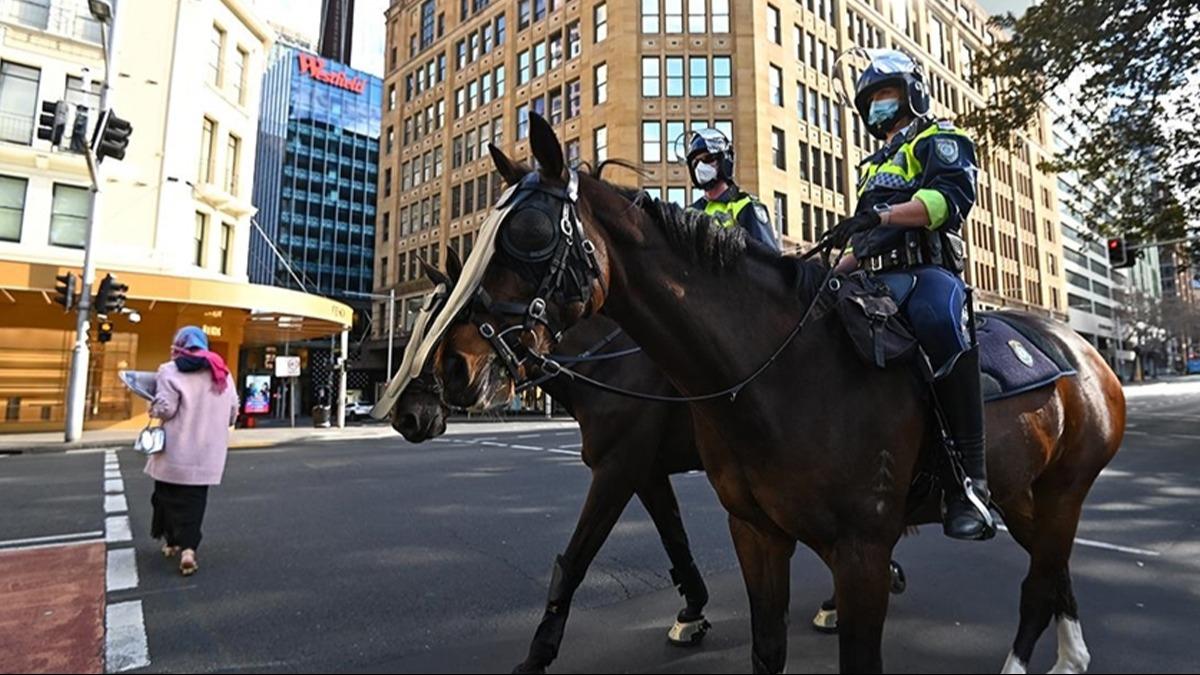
(187, 563)
(169, 551)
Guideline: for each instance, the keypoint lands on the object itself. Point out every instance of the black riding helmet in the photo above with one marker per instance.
(710, 142)
(890, 67)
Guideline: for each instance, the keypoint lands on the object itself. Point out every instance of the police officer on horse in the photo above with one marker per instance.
(914, 194)
(710, 161)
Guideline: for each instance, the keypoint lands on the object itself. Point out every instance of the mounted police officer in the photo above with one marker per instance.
(914, 195)
(710, 161)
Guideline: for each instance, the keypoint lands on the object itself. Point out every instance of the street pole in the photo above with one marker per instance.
(391, 319)
(341, 409)
(80, 355)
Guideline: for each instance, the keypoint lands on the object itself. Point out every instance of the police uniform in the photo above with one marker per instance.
(735, 207)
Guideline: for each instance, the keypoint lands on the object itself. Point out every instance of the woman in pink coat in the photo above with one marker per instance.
(197, 404)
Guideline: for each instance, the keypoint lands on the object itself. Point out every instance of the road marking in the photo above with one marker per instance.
(573, 445)
(52, 539)
(528, 436)
(573, 453)
(115, 504)
(494, 444)
(116, 529)
(526, 447)
(87, 451)
(122, 570)
(125, 645)
(114, 485)
(1106, 546)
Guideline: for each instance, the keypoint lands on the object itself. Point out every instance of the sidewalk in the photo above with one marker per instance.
(271, 435)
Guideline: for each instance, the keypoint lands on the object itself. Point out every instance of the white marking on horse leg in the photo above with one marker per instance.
(1073, 656)
(1013, 666)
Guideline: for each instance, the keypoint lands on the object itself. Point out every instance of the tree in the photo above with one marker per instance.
(1134, 69)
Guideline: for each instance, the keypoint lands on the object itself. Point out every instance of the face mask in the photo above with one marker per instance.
(705, 173)
(882, 111)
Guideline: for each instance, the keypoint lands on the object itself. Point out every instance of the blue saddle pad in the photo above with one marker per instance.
(1014, 362)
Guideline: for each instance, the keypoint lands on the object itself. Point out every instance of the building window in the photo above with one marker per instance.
(539, 59)
(725, 127)
(803, 166)
(208, 138)
(601, 78)
(524, 13)
(720, 16)
(12, 207)
(650, 16)
(233, 162)
(574, 154)
(698, 84)
(198, 239)
(722, 76)
(600, 142)
(673, 19)
(226, 247)
(240, 66)
(825, 114)
(651, 142)
(556, 107)
(523, 68)
(776, 83)
(556, 50)
(651, 78)
(675, 139)
(216, 56)
(800, 101)
(781, 214)
(675, 76)
(773, 29)
(387, 182)
(522, 121)
(600, 17)
(574, 98)
(18, 102)
(778, 151)
(574, 40)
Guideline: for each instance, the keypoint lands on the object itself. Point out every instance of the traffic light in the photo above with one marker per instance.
(52, 123)
(1118, 254)
(65, 290)
(112, 137)
(105, 331)
(79, 131)
(110, 299)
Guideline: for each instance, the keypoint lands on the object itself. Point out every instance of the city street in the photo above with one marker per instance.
(379, 555)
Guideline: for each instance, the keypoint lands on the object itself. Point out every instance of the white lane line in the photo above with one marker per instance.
(573, 453)
(115, 504)
(110, 474)
(494, 445)
(527, 447)
(52, 540)
(1107, 547)
(114, 485)
(87, 451)
(572, 445)
(122, 570)
(116, 529)
(528, 436)
(441, 440)
(125, 645)
(564, 433)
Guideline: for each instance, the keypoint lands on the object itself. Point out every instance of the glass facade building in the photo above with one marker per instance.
(316, 176)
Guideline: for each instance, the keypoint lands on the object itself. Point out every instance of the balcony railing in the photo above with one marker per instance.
(16, 128)
(62, 17)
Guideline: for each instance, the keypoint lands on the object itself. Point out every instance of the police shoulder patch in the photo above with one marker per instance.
(946, 149)
(946, 125)
(1021, 353)
(761, 212)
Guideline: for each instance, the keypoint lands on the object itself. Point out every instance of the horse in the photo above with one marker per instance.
(814, 446)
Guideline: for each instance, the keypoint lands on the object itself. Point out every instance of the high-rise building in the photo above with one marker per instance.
(628, 79)
(337, 29)
(315, 188)
(175, 222)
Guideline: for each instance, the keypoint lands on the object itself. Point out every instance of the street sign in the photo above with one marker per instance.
(287, 366)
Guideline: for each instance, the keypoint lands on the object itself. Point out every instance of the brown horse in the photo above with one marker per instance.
(819, 447)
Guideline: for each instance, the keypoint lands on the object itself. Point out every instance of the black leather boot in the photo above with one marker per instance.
(965, 512)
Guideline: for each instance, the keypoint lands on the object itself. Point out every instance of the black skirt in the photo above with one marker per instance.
(178, 513)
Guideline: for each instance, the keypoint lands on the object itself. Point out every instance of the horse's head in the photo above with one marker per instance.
(550, 270)
(420, 413)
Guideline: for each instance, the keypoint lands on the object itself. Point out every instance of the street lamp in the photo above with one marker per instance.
(101, 10)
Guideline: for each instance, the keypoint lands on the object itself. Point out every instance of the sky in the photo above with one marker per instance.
(304, 17)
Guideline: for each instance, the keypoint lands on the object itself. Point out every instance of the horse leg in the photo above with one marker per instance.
(610, 492)
(1046, 591)
(862, 577)
(826, 619)
(764, 557)
(659, 499)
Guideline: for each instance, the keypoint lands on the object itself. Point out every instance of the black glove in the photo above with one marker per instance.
(840, 235)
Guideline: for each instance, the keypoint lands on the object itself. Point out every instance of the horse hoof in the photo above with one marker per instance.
(899, 582)
(825, 621)
(688, 633)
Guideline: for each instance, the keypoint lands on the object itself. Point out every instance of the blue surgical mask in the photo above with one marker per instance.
(883, 110)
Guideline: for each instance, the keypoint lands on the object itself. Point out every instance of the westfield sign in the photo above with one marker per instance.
(314, 66)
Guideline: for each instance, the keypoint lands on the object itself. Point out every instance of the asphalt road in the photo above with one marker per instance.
(385, 556)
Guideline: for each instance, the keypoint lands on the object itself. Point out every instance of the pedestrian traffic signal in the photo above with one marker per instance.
(110, 299)
(65, 290)
(105, 331)
(79, 131)
(1118, 254)
(112, 137)
(52, 123)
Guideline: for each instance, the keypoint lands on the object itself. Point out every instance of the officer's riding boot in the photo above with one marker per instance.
(965, 513)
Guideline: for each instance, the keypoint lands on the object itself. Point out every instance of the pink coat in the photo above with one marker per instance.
(196, 420)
